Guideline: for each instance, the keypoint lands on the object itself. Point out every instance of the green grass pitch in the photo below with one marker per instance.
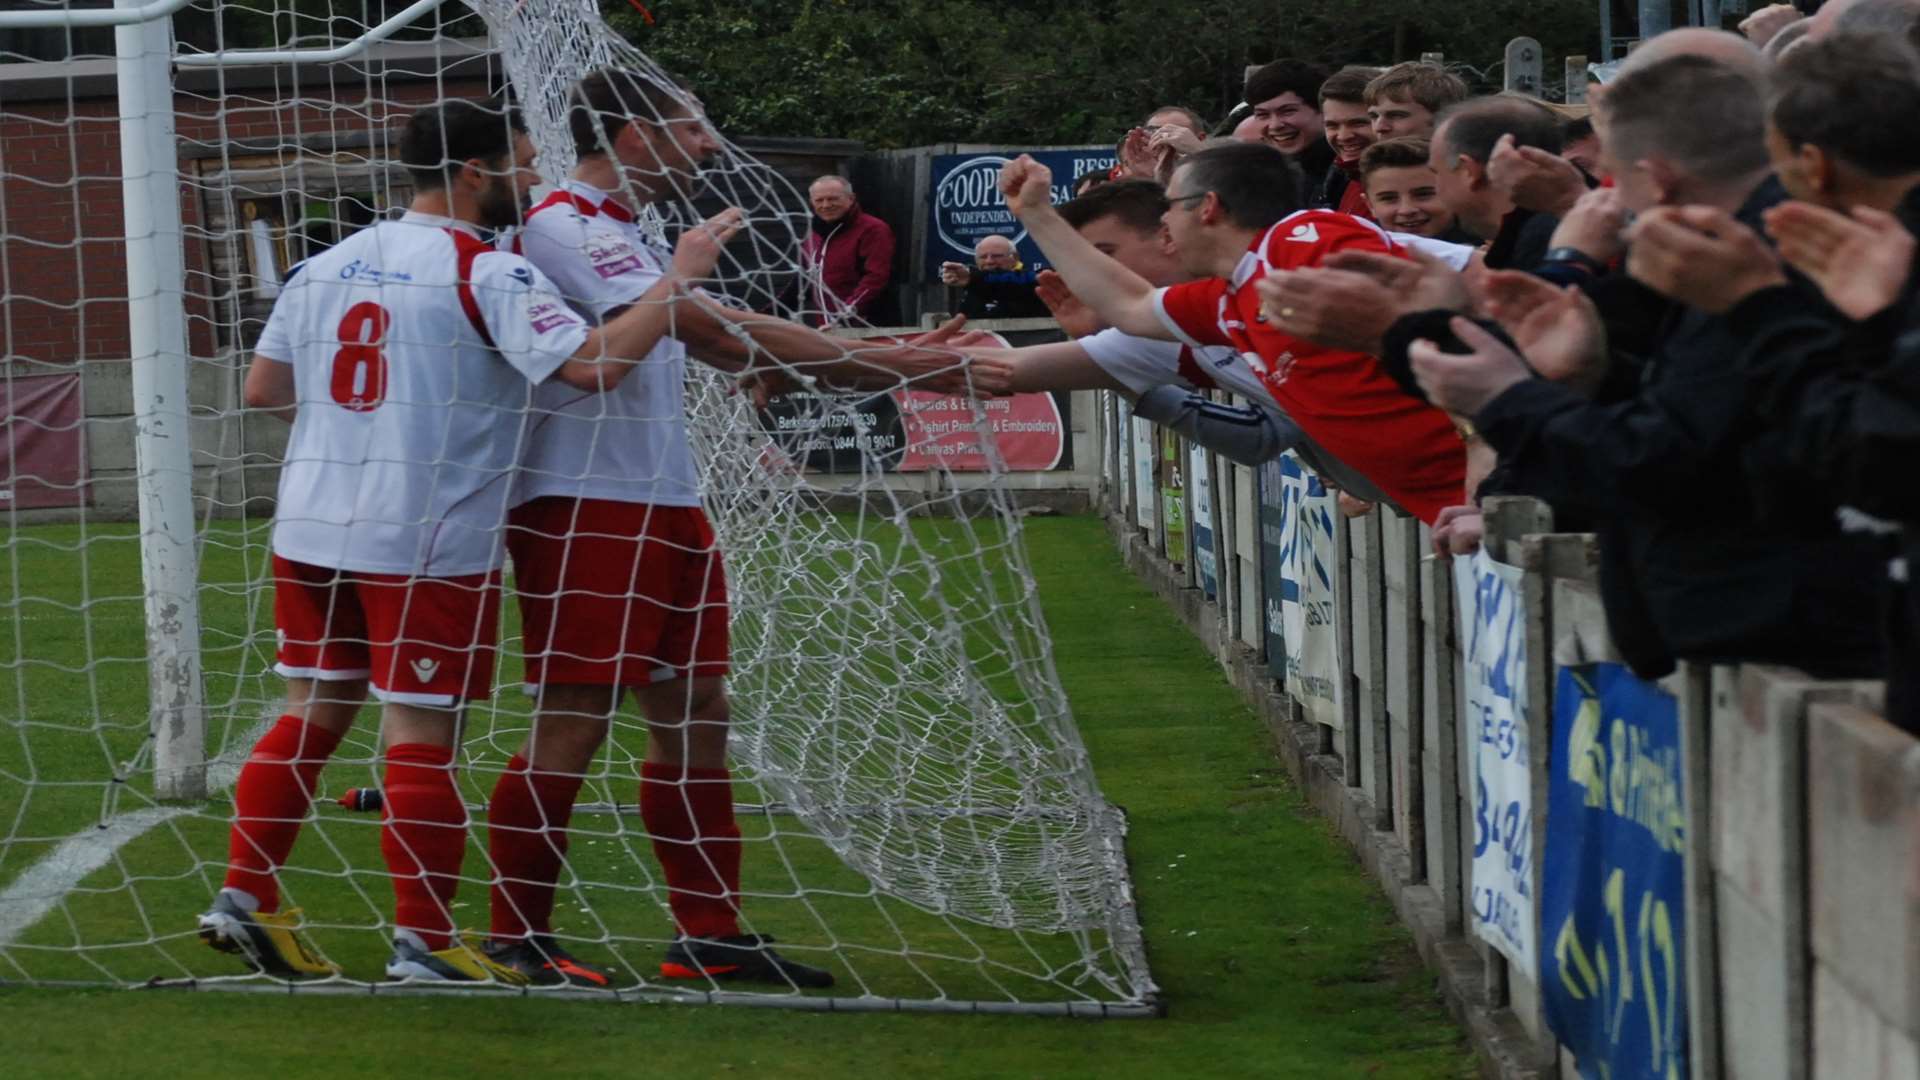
(1276, 957)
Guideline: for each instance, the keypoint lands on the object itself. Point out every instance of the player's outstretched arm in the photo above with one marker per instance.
(739, 341)
(1121, 297)
(611, 349)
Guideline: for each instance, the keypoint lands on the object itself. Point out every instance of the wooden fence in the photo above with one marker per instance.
(1801, 806)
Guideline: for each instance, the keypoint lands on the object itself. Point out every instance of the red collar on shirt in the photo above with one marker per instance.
(586, 206)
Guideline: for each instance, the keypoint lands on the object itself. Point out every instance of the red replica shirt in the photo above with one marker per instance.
(1343, 400)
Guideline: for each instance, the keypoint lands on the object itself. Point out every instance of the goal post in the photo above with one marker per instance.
(916, 809)
(157, 333)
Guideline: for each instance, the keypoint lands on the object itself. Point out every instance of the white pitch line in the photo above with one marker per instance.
(40, 889)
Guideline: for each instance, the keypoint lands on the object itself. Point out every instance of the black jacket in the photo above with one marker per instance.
(1694, 563)
(1002, 294)
(1847, 397)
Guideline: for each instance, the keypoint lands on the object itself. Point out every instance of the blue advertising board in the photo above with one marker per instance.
(966, 205)
(1612, 911)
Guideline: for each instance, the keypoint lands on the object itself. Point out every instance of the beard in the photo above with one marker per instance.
(500, 205)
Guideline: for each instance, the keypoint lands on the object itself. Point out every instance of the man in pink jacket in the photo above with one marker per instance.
(850, 250)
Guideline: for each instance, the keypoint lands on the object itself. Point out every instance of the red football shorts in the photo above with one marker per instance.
(421, 641)
(616, 593)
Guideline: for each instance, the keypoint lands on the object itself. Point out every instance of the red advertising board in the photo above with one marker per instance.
(42, 442)
(919, 431)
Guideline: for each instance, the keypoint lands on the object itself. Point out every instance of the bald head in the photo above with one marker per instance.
(1721, 46)
(1894, 18)
(994, 253)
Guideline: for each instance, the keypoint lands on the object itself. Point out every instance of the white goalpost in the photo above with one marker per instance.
(918, 813)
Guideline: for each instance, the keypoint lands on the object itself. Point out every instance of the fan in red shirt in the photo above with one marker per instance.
(1234, 219)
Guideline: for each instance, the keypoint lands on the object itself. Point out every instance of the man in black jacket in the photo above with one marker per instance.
(1839, 379)
(1694, 563)
(998, 285)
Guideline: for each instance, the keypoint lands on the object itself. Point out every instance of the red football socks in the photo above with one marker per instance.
(689, 814)
(527, 841)
(271, 799)
(424, 840)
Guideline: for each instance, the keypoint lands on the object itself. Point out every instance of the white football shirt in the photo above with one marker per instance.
(630, 443)
(415, 349)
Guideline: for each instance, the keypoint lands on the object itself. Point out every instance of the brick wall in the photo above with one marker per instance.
(62, 262)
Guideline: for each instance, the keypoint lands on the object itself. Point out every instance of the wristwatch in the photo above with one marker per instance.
(1578, 258)
(1468, 433)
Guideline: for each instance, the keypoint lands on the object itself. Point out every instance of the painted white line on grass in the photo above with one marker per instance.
(40, 889)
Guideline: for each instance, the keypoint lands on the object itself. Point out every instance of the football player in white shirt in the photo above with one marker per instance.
(405, 358)
(620, 585)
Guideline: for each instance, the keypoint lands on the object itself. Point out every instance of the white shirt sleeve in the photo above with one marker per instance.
(529, 324)
(1454, 255)
(598, 267)
(1140, 364)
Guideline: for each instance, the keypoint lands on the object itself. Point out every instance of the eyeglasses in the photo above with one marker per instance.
(1176, 200)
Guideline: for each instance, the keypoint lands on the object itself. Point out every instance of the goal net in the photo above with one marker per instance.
(918, 814)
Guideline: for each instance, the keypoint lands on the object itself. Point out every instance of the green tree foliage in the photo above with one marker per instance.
(910, 72)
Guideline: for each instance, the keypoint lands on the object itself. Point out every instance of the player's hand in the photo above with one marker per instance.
(1558, 330)
(1457, 531)
(1700, 256)
(762, 385)
(1422, 282)
(1534, 179)
(699, 248)
(1860, 262)
(1594, 225)
(1074, 317)
(1352, 506)
(953, 273)
(1763, 25)
(1027, 185)
(1335, 308)
(1463, 383)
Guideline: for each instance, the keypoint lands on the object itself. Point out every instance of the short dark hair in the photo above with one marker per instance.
(1136, 203)
(1472, 128)
(1091, 179)
(1406, 152)
(1580, 127)
(1838, 93)
(1422, 83)
(1286, 76)
(1193, 118)
(608, 99)
(440, 139)
(1256, 183)
(1349, 85)
(1702, 114)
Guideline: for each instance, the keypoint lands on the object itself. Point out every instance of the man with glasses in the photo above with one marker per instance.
(1234, 217)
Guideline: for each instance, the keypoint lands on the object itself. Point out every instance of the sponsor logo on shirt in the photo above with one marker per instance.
(522, 275)
(363, 272)
(1282, 367)
(1304, 234)
(546, 315)
(612, 260)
